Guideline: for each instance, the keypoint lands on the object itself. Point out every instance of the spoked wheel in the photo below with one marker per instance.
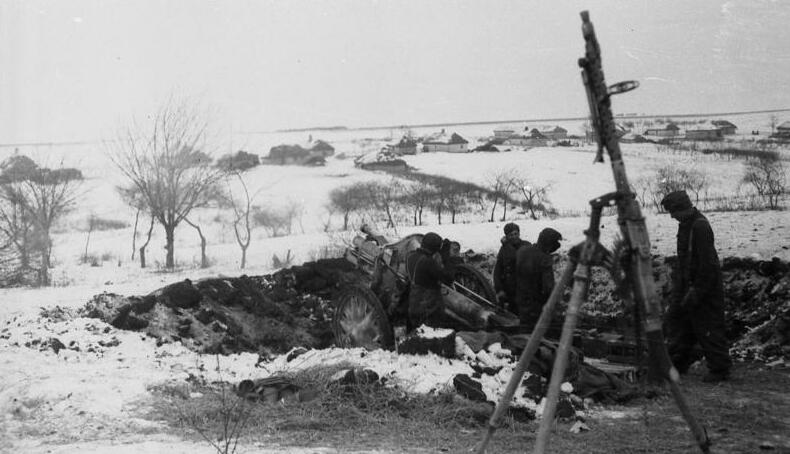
(473, 282)
(360, 321)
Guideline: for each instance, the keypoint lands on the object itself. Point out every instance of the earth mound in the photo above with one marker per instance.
(274, 313)
(266, 314)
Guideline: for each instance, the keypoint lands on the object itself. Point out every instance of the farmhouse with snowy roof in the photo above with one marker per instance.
(782, 131)
(726, 127)
(550, 132)
(704, 132)
(670, 130)
(452, 144)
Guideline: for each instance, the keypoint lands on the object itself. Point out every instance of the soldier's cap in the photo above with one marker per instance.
(431, 242)
(676, 201)
(510, 227)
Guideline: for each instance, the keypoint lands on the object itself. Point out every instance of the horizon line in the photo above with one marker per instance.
(426, 125)
(486, 122)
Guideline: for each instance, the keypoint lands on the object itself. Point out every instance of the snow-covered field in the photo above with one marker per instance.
(87, 400)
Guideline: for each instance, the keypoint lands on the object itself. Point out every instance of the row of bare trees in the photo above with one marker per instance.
(399, 201)
(764, 176)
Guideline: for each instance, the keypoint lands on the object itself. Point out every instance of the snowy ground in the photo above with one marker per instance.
(89, 400)
(57, 402)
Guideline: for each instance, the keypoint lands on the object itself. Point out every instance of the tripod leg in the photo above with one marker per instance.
(657, 350)
(526, 356)
(580, 287)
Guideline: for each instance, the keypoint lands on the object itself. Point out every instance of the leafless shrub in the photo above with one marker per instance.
(277, 221)
(767, 177)
(536, 198)
(221, 417)
(285, 262)
(668, 178)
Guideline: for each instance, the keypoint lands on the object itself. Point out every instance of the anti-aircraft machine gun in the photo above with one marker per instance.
(636, 279)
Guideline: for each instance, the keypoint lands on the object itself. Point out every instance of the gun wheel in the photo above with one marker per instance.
(360, 321)
(475, 281)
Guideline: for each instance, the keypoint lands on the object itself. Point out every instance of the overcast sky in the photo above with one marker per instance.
(75, 70)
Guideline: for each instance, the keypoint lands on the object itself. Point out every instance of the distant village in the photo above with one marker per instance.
(388, 157)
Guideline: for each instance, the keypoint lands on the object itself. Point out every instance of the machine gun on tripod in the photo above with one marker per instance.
(637, 263)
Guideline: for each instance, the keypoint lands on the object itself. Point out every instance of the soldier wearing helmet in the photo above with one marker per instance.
(427, 270)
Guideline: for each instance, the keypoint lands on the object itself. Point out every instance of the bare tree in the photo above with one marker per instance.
(32, 199)
(326, 223)
(91, 224)
(203, 257)
(418, 196)
(293, 211)
(133, 197)
(347, 200)
(767, 176)
(535, 198)
(276, 221)
(459, 197)
(147, 241)
(240, 203)
(500, 184)
(384, 197)
(440, 200)
(167, 165)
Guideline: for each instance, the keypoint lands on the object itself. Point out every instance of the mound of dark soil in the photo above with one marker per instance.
(756, 298)
(267, 314)
(292, 307)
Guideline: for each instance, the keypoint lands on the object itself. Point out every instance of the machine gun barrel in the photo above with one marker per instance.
(629, 217)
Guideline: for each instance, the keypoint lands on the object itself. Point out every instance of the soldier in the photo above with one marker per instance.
(426, 270)
(505, 268)
(696, 314)
(535, 275)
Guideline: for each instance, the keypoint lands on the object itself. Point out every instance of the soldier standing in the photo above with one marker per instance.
(427, 272)
(505, 268)
(696, 314)
(535, 275)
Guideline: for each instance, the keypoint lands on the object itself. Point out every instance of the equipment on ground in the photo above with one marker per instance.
(637, 265)
(365, 315)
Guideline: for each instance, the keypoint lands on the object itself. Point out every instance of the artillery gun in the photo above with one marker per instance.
(365, 315)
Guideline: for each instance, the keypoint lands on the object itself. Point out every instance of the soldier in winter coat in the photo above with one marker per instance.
(696, 314)
(427, 271)
(505, 268)
(535, 275)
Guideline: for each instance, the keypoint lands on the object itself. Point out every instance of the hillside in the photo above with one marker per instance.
(48, 391)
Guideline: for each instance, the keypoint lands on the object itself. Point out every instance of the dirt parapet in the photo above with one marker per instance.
(266, 314)
(293, 307)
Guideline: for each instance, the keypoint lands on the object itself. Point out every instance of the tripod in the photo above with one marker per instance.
(638, 272)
